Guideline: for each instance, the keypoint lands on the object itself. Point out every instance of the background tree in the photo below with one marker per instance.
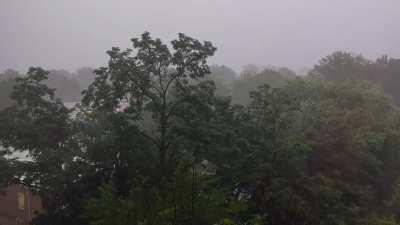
(66, 84)
(223, 78)
(341, 66)
(247, 83)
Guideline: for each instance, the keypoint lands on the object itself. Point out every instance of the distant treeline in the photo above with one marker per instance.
(68, 85)
(384, 71)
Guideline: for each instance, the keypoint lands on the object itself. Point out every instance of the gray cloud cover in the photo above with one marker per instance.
(73, 33)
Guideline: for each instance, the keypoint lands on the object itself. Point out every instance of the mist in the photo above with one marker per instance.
(293, 33)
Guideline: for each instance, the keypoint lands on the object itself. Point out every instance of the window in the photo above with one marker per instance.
(21, 201)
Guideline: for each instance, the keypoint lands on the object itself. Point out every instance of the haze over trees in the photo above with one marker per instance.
(7, 82)
(68, 85)
(160, 137)
(383, 71)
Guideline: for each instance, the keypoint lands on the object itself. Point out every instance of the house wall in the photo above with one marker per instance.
(18, 206)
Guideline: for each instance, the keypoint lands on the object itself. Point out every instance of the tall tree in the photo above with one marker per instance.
(162, 96)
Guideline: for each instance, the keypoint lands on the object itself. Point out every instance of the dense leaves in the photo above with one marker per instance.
(384, 71)
(157, 140)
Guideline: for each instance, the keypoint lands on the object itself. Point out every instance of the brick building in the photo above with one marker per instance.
(18, 206)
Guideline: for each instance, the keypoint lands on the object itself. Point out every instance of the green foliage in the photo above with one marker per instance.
(249, 82)
(223, 78)
(67, 86)
(151, 100)
(7, 83)
(109, 209)
(340, 66)
(6, 87)
(156, 140)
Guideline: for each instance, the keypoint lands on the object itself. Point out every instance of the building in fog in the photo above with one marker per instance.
(18, 206)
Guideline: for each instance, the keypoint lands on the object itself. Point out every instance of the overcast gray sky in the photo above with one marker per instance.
(296, 33)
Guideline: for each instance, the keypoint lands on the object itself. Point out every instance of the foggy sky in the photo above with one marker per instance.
(296, 33)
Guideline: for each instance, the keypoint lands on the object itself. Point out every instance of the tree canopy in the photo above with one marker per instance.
(160, 137)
